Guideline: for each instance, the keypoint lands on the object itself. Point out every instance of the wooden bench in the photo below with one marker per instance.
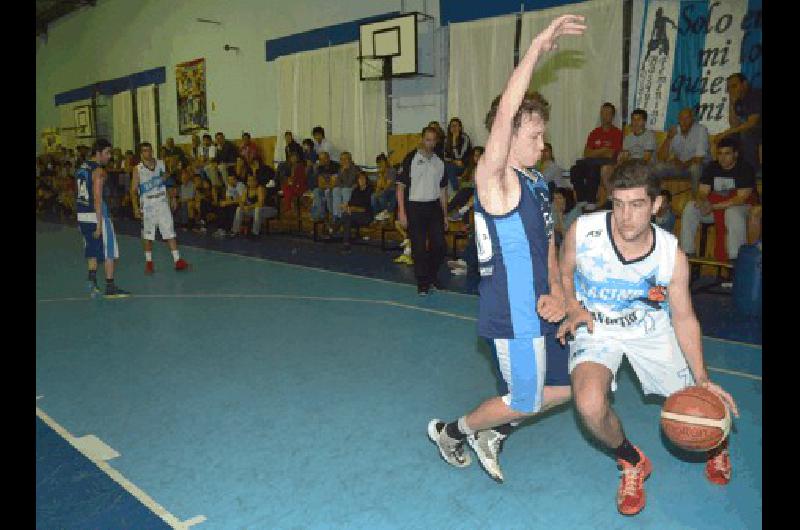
(697, 264)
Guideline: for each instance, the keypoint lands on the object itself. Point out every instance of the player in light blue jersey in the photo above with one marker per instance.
(100, 242)
(626, 284)
(521, 297)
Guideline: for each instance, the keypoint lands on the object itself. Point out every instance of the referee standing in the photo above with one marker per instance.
(422, 208)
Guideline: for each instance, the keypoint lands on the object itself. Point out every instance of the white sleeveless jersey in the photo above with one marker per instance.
(626, 299)
(152, 187)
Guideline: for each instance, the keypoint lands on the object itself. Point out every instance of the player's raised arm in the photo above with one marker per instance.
(490, 172)
(687, 328)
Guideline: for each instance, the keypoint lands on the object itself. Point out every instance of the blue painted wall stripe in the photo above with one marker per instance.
(687, 63)
(114, 86)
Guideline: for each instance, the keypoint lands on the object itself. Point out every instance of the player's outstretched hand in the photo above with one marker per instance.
(551, 307)
(575, 318)
(722, 394)
(563, 25)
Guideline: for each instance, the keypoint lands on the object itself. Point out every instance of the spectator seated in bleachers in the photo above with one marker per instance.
(726, 193)
(321, 204)
(602, 147)
(228, 205)
(639, 144)
(248, 150)
(565, 211)
(173, 151)
(292, 146)
(241, 169)
(343, 183)
(203, 203)
(252, 205)
(309, 158)
(551, 171)
(457, 150)
(384, 198)
(459, 206)
(186, 214)
(665, 217)
(323, 144)
(294, 186)
(685, 150)
(357, 211)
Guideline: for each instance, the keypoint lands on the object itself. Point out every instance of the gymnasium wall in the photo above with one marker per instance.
(119, 37)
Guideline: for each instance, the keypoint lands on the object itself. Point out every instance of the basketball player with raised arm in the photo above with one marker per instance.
(149, 192)
(98, 233)
(627, 281)
(521, 297)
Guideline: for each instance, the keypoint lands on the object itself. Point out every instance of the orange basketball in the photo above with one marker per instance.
(695, 419)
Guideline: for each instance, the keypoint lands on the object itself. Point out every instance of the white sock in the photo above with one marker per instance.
(176, 255)
(148, 255)
(462, 426)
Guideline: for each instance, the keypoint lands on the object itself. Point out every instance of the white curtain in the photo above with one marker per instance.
(322, 87)
(481, 61)
(122, 108)
(146, 112)
(583, 73)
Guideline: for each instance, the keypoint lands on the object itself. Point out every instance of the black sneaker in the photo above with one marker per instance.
(112, 291)
(423, 290)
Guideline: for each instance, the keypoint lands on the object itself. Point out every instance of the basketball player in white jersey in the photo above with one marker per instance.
(151, 204)
(626, 279)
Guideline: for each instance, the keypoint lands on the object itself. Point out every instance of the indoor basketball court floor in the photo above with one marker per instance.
(256, 394)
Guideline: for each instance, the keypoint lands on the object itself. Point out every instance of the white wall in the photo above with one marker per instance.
(119, 37)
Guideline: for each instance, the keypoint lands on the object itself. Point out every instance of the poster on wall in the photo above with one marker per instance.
(190, 80)
(688, 49)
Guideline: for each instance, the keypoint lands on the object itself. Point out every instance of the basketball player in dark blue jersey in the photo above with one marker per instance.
(521, 297)
(98, 233)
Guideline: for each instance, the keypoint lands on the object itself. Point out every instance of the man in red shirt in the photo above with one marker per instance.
(249, 149)
(602, 147)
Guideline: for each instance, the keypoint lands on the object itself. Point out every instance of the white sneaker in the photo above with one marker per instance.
(451, 450)
(486, 445)
(457, 264)
(405, 243)
(458, 271)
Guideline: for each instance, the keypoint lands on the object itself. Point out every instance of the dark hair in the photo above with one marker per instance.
(610, 105)
(246, 134)
(532, 102)
(569, 198)
(219, 133)
(145, 144)
(635, 173)
(99, 145)
(640, 112)
(309, 142)
(738, 75)
(207, 136)
(478, 148)
(380, 157)
(455, 143)
(288, 132)
(428, 128)
(128, 152)
(728, 141)
(318, 129)
(667, 195)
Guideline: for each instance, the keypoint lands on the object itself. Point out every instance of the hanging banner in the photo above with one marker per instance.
(688, 48)
(190, 80)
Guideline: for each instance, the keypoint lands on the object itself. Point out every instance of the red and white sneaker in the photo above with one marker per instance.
(718, 467)
(630, 495)
(181, 265)
(148, 267)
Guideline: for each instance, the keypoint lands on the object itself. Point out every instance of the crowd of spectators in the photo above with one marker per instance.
(225, 190)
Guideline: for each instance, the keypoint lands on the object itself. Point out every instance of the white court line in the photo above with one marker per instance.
(117, 477)
(356, 300)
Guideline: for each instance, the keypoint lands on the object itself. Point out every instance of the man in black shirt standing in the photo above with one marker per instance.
(727, 184)
(744, 118)
(424, 212)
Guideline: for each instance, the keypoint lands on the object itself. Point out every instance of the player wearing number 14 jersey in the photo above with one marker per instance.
(100, 241)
